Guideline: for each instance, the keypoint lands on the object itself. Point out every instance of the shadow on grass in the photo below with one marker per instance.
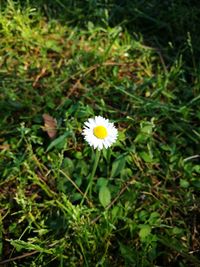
(160, 22)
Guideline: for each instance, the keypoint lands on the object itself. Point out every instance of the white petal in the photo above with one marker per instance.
(92, 139)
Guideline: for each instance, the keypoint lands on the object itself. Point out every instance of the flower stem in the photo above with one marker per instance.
(89, 187)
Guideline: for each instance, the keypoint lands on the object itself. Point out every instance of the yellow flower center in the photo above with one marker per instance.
(100, 132)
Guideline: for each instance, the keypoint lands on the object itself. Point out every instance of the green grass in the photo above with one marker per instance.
(140, 69)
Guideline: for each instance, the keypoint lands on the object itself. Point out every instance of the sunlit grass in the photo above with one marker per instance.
(151, 174)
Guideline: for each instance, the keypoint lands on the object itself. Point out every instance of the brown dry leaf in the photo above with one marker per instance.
(4, 147)
(50, 125)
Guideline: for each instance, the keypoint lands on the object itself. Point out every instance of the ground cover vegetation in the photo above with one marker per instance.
(135, 63)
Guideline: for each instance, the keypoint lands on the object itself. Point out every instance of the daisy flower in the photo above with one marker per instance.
(99, 132)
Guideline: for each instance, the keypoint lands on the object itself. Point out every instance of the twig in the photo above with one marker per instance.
(40, 75)
(77, 188)
(19, 257)
(191, 157)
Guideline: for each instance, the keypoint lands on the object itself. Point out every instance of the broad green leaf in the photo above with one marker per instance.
(68, 165)
(196, 168)
(104, 196)
(147, 126)
(102, 182)
(57, 141)
(196, 183)
(165, 147)
(147, 129)
(117, 212)
(177, 231)
(146, 157)
(184, 183)
(141, 137)
(126, 172)
(76, 196)
(143, 214)
(154, 218)
(144, 232)
(128, 254)
(118, 165)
